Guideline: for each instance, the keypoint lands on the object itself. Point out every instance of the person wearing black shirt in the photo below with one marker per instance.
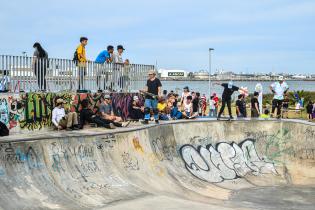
(195, 104)
(229, 89)
(153, 86)
(87, 115)
(255, 105)
(240, 106)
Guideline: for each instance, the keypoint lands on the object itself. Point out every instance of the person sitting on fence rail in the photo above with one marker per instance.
(88, 116)
(62, 120)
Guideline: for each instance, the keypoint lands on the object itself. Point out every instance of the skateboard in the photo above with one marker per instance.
(149, 94)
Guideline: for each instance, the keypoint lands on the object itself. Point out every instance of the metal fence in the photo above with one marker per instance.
(30, 74)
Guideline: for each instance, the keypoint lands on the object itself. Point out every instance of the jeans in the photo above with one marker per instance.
(176, 114)
(228, 102)
(151, 104)
(82, 73)
(276, 104)
(212, 113)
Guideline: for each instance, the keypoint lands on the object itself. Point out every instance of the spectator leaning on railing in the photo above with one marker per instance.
(106, 56)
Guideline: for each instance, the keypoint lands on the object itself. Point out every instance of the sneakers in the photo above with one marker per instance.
(145, 122)
(68, 129)
(157, 122)
(76, 127)
(112, 126)
(125, 124)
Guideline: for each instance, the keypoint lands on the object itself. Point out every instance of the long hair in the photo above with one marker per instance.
(41, 51)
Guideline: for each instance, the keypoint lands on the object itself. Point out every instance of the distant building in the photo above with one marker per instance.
(172, 73)
(201, 75)
(299, 77)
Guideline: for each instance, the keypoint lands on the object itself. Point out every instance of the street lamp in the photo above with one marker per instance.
(210, 49)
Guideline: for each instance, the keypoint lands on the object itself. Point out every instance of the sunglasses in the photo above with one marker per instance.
(150, 74)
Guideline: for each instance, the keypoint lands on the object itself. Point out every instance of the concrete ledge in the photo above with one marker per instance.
(51, 134)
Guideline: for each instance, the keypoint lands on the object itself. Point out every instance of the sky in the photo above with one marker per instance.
(247, 36)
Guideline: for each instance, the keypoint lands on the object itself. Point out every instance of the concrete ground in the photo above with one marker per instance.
(195, 164)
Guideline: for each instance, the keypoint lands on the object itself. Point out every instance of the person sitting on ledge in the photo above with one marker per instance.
(188, 108)
(265, 115)
(136, 111)
(106, 112)
(87, 115)
(62, 120)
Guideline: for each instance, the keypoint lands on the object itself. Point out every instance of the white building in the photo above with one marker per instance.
(173, 73)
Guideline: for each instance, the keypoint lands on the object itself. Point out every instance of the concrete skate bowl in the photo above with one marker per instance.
(182, 165)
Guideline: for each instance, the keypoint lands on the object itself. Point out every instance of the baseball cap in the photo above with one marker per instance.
(120, 47)
(280, 78)
(135, 98)
(107, 96)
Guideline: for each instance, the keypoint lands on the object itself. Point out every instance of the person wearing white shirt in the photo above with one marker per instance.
(279, 89)
(63, 121)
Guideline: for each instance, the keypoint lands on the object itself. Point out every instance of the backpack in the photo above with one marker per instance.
(4, 131)
(75, 57)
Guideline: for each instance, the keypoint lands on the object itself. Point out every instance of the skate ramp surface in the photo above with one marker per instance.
(200, 164)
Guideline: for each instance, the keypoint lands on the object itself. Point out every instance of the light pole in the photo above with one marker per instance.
(210, 49)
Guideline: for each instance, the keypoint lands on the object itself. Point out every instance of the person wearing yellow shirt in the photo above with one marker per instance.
(161, 105)
(265, 115)
(81, 57)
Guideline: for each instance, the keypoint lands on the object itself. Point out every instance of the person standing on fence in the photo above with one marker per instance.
(106, 56)
(153, 90)
(40, 64)
(80, 56)
(279, 88)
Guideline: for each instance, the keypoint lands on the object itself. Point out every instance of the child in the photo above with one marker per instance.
(162, 105)
(188, 107)
(212, 107)
(265, 115)
(309, 109)
(203, 104)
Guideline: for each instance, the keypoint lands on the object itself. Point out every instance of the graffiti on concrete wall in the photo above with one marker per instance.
(11, 155)
(16, 108)
(130, 162)
(4, 111)
(225, 161)
(38, 109)
(32, 111)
